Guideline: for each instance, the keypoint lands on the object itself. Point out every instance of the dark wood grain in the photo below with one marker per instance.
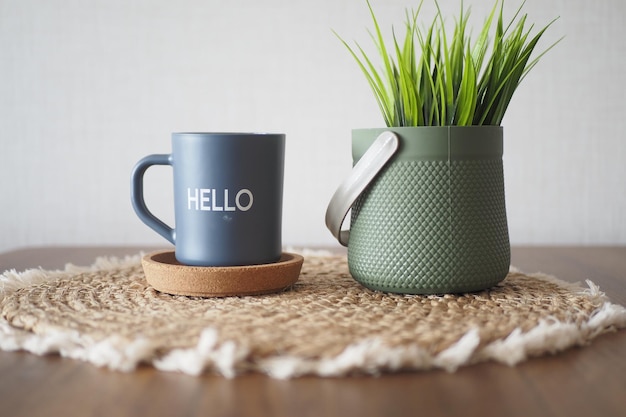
(588, 381)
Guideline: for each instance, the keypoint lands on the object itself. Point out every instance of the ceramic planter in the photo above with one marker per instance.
(433, 219)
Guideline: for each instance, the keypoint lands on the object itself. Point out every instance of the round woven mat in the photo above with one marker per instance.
(326, 324)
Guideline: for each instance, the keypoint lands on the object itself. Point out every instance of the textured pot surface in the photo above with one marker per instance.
(434, 220)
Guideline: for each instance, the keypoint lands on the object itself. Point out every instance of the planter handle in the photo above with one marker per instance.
(362, 174)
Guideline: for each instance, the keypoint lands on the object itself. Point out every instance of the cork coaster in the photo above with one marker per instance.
(164, 273)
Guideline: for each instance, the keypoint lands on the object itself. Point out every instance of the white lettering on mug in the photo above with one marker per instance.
(226, 206)
(208, 199)
(204, 199)
(190, 198)
(238, 197)
(215, 207)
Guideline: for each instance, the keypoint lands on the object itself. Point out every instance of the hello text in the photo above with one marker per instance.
(211, 199)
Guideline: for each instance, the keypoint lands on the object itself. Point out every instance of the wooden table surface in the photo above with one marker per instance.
(588, 381)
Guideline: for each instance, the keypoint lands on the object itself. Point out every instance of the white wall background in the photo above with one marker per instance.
(89, 87)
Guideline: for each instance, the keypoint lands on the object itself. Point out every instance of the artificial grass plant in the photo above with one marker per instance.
(431, 79)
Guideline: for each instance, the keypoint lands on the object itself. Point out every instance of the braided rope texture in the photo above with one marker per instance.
(326, 324)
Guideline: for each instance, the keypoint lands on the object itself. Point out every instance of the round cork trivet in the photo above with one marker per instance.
(166, 274)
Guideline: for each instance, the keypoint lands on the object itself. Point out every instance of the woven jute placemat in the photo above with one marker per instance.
(326, 324)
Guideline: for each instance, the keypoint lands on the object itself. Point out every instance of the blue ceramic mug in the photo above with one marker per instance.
(228, 192)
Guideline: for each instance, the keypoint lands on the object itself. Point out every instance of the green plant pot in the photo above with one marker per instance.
(434, 219)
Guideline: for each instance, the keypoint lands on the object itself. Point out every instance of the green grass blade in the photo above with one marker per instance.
(430, 78)
(375, 83)
(466, 100)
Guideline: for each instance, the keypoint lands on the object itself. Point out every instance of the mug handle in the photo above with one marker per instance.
(136, 195)
(362, 174)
